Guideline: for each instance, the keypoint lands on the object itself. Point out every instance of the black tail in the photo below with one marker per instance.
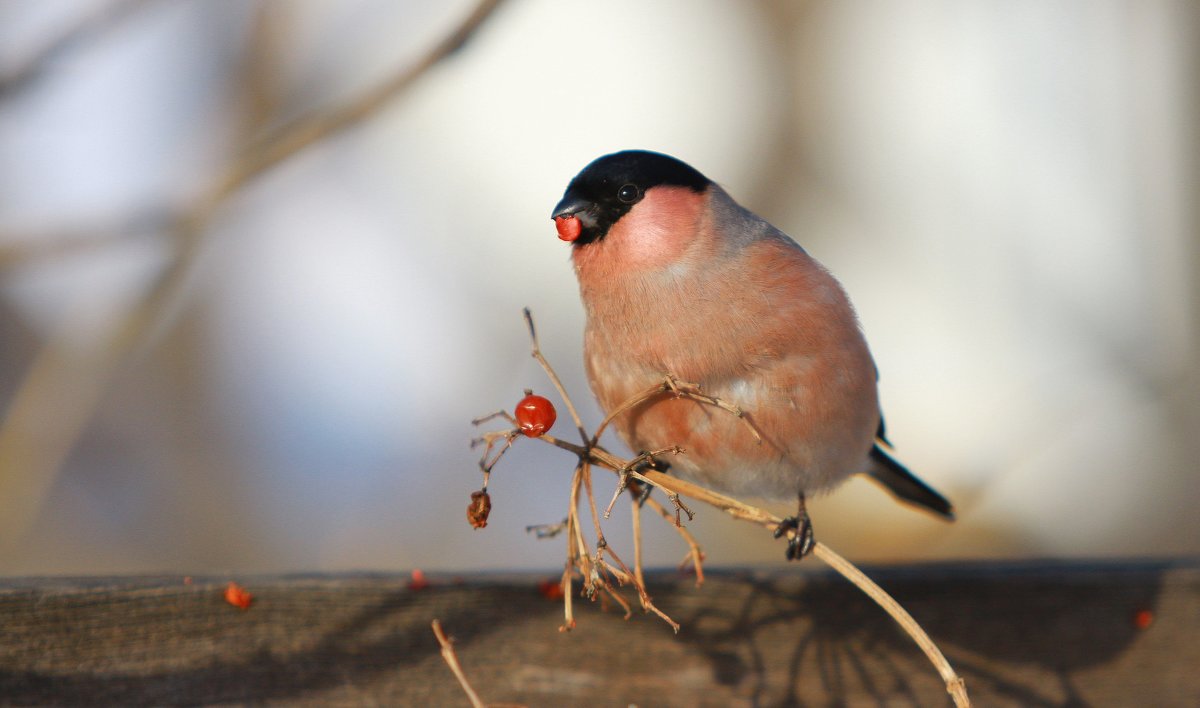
(896, 478)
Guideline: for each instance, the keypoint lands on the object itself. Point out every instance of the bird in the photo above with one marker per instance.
(681, 283)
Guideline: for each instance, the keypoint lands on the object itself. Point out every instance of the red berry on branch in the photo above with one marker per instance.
(535, 415)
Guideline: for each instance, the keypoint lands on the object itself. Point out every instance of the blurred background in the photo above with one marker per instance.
(220, 354)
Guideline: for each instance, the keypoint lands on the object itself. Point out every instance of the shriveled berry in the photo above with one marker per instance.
(535, 415)
(478, 509)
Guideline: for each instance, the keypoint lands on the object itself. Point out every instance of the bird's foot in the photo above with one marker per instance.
(642, 491)
(800, 543)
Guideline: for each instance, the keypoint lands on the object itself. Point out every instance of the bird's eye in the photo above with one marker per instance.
(629, 193)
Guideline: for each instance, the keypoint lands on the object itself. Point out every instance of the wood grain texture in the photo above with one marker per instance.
(1045, 634)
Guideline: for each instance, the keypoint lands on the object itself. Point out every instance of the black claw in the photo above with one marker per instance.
(801, 543)
(642, 491)
(644, 495)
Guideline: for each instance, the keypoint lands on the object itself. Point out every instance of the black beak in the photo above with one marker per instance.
(571, 204)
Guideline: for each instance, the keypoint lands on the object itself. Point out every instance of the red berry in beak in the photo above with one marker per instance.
(568, 227)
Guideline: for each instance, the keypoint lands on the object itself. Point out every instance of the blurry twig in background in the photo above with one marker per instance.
(303, 132)
(64, 384)
(24, 248)
(256, 100)
(451, 660)
(86, 28)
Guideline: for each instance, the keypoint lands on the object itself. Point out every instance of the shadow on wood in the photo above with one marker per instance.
(1020, 634)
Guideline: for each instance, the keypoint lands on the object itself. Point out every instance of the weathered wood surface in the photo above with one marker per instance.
(1020, 634)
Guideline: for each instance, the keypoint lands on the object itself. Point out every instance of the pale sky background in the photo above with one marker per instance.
(1007, 191)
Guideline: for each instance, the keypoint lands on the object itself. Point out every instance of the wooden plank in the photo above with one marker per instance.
(1020, 634)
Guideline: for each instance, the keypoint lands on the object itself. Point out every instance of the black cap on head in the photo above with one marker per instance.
(607, 189)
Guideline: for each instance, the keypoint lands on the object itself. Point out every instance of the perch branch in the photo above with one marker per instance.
(954, 685)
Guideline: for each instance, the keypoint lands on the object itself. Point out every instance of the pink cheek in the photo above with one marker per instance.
(568, 227)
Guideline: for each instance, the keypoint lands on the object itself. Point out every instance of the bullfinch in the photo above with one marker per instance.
(679, 281)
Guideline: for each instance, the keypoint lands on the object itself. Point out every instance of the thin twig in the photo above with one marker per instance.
(695, 555)
(491, 416)
(591, 497)
(638, 575)
(649, 604)
(622, 485)
(577, 555)
(692, 390)
(616, 596)
(631, 402)
(954, 685)
(576, 531)
(568, 609)
(452, 661)
(547, 530)
(680, 506)
(644, 595)
(680, 389)
(627, 471)
(489, 440)
(619, 572)
(553, 376)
